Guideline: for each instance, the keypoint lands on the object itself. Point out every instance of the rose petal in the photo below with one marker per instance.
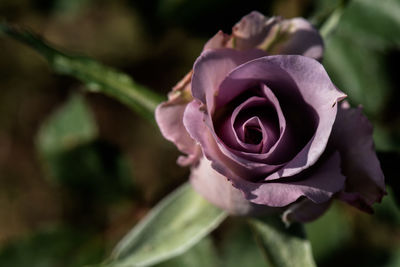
(169, 117)
(193, 120)
(253, 169)
(256, 132)
(252, 30)
(219, 40)
(352, 136)
(357, 200)
(278, 36)
(304, 211)
(319, 92)
(219, 191)
(301, 39)
(260, 71)
(273, 142)
(317, 184)
(211, 68)
(253, 111)
(294, 76)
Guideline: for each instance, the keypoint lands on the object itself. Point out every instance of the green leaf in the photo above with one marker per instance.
(283, 247)
(176, 224)
(97, 77)
(376, 24)
(359, 72)
(355, 54)
(359, 59)
(203, 254)
(72, 155)
(329, 233)
(71, 125)
(96, 172)
(238, 247)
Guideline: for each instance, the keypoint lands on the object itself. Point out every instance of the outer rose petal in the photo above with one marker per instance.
(169, 114)
(193, 120)
(352, 136)
(218, 190)
(252, 30)
(169, 117)
(211, 68)
(318, 184)
(219, 40)
(278, 36)
(304, 211)
(301, 39)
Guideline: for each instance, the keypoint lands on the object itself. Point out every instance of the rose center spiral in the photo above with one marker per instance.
(253, 135)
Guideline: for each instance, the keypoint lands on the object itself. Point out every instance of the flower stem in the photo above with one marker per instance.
(96, 76)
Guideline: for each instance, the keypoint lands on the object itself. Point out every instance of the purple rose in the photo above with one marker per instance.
(265, 132)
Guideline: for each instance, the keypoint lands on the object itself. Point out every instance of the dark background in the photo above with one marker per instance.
(67, 203)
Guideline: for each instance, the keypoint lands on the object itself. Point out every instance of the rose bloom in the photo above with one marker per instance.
(263, 128)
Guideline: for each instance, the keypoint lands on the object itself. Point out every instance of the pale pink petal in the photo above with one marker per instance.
(170, 121)
(169, 117)
(218, 190)
(193, 120)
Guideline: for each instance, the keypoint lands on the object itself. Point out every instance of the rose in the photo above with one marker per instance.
(266, 132)
(274, 35)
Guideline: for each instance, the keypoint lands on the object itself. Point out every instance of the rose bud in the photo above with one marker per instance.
(266, 133)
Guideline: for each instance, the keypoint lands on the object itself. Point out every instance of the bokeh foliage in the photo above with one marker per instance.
(77, 172)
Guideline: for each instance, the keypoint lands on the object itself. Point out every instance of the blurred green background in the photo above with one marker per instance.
(78, 170)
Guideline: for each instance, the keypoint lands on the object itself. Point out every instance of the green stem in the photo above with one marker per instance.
(96, 76)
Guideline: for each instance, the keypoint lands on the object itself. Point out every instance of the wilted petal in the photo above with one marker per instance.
(278, 36)
(352, 136)
(295, 37)
(219, 40)
(252, 30)
(169, 117)
(357, 200)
